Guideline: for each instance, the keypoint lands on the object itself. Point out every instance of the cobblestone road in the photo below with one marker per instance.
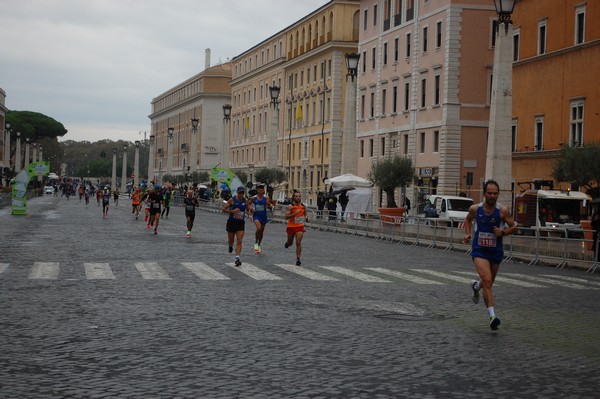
(93, 308)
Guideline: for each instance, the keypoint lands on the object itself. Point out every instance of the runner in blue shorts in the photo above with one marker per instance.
(259, 205)
(493, 221)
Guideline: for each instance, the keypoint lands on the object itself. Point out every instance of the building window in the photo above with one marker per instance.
(436, 141)
(364, 61)
(375, 15)
(362, 148)
(362, 107)
(374, 57)
(438, 34)
(514, 135)
(382, 151)
(372, 109)
(422, 143)
(539, 133)
(383, 101)
(425, 38)
(396, 49)
(406, 95)
(516, 44)
(542, 37)
(385, 52)
(365, 19)
(371, 148)
(494, 31)
(580, 25)
(576, 124)
(436, 97)
(408, 45)
(423, 92)
(395, 99)
(405, 149)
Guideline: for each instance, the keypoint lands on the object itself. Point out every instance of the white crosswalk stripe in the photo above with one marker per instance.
(304, 272)
(405, 276)
(3, 267)
(98, 271)
(203, 271)
(44, 271)
(152, 271)
(507, 280)
(355, 274)
(551, 281)
(573, 279)
(254, 272)
(444, 275)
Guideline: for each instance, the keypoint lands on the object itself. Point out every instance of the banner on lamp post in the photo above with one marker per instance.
(19, 188)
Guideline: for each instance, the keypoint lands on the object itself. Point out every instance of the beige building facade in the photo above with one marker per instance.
(306, 61)
(200, 97)
(424, 91)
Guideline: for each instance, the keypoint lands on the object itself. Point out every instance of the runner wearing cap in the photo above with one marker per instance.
(236, 208)
(257, 206)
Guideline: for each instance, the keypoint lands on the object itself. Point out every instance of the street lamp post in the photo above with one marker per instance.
(136, 165)
(40, 157)
(18, 153)
(113, 181)
(124, 170)
(34, 156)
(194, 144)
(7, 148)
(499, 147)
(226, 141)
(272, 159)
(349, 156)
(26, 152)
(170, 151)
(151, 159)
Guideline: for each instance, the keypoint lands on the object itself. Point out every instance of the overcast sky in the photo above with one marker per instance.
(95, 65)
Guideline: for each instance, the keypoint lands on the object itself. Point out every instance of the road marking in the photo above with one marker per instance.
(311, 274)
(98, 271)
(509, 281)
(152, 271)
(355, 274)
(3, 267)
(404, 276)
(44, 270)
(254, 272)
(573, 279)
(203, 271)
(443, 275)
(550, 281)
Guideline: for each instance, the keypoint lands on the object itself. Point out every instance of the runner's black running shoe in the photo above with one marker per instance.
(494, 323)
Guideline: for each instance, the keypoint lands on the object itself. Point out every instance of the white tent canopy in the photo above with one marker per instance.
(348, 180)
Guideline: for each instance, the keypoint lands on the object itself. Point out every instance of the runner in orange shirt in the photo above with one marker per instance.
(136, 200)
(295, 214)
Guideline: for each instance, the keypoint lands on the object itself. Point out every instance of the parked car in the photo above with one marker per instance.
(48, 190)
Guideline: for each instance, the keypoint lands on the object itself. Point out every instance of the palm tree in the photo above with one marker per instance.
(391, 173)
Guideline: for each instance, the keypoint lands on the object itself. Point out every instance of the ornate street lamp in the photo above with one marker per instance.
(113, 182)
(170, 132)
(504, 8)
(274, 92)
(272, 157)
(352, 64)
(136, 165)
(195, 124)
(226, 112)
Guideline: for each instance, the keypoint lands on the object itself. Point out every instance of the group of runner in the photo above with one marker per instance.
(258, 208)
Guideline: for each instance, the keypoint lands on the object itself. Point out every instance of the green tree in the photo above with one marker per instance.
(391, 173)
(243, 176)
(34, 125)
(270, 177)
(579, 165)
(200, 177)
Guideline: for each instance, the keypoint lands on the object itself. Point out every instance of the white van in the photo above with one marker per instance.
(451, 207)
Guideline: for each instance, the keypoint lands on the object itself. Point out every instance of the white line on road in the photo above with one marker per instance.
(311, 274)
(203, 271)
(254, 272)
(152, 271)
(550, 281)
(573, 279)
(404, 276)
(355, 274)
(44, 270)
(444, 275)
(98, 271)
(3, 267)
(508, 280)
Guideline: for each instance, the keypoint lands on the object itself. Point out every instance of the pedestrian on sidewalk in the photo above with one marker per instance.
(258, 206)
(236, 208)
(493, 221)
(296, 216)
(190, 203)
